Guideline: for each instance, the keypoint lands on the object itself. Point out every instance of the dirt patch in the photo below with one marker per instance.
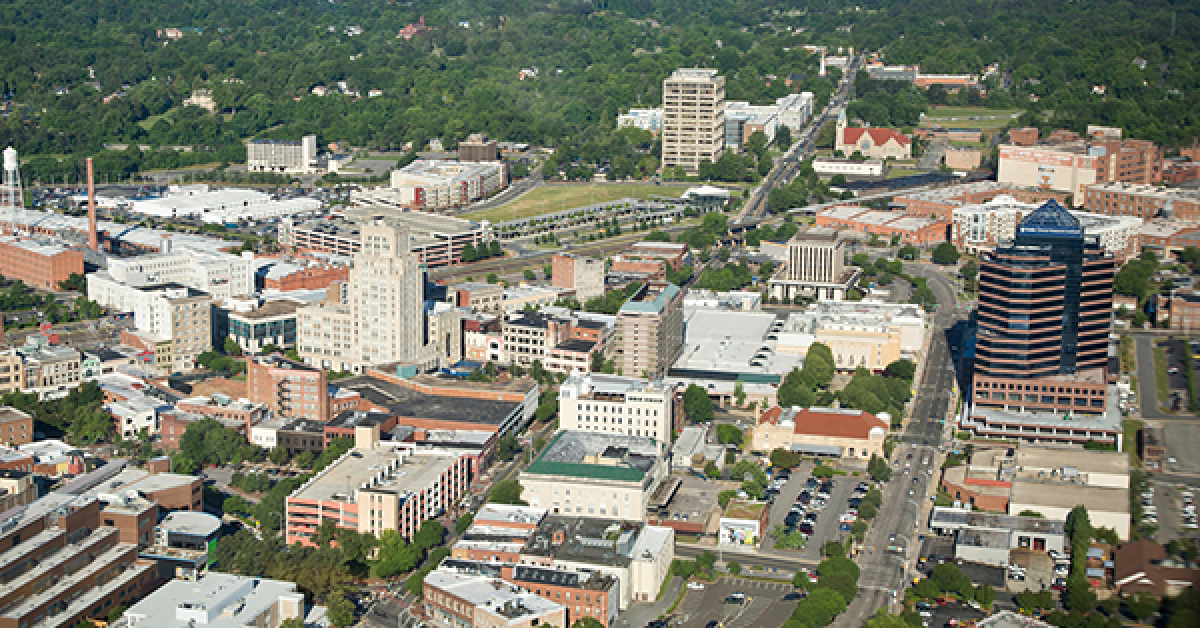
(235, 389)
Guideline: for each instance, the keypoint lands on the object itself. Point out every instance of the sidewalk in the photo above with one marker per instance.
(640, 614)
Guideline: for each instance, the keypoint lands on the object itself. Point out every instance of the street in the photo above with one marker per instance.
(898, 523)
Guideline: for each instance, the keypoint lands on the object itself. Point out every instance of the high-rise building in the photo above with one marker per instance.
(1045, 310)
(381, 317)
(693, 118)
(815, 266)
(650, 330)
(282, 155)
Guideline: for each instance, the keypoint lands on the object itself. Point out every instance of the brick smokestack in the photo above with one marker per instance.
(93, 238)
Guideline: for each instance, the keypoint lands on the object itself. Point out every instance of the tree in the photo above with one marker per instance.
(587, 622)
(1031, 513)
(879, 469)
(969, 272)
(783, 137)
(507, 447)
(468, 253)
(785, 458)
(729, 435)
(908, 252)
(75, 282)
(231, 346)
(1142, 605)
(463, 523)
(1029, 600)
(492, 278)
(739, 393)
(734, 567)
(278, 456)
(429, 535)
(529, 274)
(833, 548)
(711, 470)
(903, 369)
(341, 610)
(548, 271)
(945, 254)
(697, 405)
(507, 492)
(985, 595)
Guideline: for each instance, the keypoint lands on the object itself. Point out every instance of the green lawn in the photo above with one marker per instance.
(552, 198)
(896, 173)
(988, 118)
(148, 123)
(1162, 384)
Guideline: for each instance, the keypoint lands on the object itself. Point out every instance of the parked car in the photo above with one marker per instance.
(695, 586)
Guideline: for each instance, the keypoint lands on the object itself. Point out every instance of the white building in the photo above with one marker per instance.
(590, 475)
(218, 600)
(981, 227)
(381, 318)
(830, 166)
(221, 275)
(222, 206)
(795, 110)
(176, 317)
(870, 334)
(693, 118)
(291, 156)
(644, 119)
(431, 184)
(815, 267)
(616, 405)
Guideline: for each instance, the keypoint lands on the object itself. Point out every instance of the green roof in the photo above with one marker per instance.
(579, 470)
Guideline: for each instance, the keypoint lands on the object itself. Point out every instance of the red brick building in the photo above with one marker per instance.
(289, 388)
(1143, 201)
(16, 427)
(311, 278)
(941, 203)
(909, 229)
(38, 264)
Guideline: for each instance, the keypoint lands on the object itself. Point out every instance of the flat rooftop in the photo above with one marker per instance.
(1057, 494)
(1085, 461)
(595, 455)
(732, 341)
(586, 539)
(501, 514)
(270, 309)
(408, 403)
(217, 600)
(398, 473)
(193, 523)
(515, 385)
(962, 518)
(492, 594)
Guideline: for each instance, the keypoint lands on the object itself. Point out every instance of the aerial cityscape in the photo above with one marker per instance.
(599, 314)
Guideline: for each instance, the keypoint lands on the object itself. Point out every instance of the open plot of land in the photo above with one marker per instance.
(552, 198)
(969, 117)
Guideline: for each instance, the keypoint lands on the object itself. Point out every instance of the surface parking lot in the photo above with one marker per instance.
(826, 528)
(764, 604)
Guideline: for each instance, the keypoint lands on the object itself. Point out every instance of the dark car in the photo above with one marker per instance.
(712, 624)
(796, 595)
(806, 528)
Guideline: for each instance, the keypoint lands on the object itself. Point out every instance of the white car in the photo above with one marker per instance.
(695, 586)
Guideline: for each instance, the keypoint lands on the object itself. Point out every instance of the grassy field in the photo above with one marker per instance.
(960, 117)
(896, 173)
(1162, 384)
(149, 122)
(548, 199)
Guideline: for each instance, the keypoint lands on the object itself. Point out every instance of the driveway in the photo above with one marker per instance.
(640, 614)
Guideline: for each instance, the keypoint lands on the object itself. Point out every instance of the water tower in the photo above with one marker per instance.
(12, 197)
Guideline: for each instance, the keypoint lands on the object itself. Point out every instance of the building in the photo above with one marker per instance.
(644, 119)
(815, 267)
(649, 334)
(962, 157)
(17, 488)
(223, 206)
(478, 147)
(562, 342)
(637, 556)
(381, 317)
(477, 296)
(469, 600)
(987, 538)
(219, 600)
(874, 143)
(16, 427)
(584, 275)
(1066, 163)
(202, 98)
(437, 240)
(1116, 198)
(289, 389)
(617, 405)
(725, 348)
(941, 203)
(1145, 567)
(676, 254)
(377, 486)
(47, 370)
(498, 533)
(1044, 317)
(693, 118)
(887, 225)
(285, 277)
(291, 156)
(980, 228)
(612, 475)
(173, 321)
(253, 324)
(860, 334)
(12, 373)
(38, 261)
(432, 185)
(1054, 498)
(222, 275)
(77, 542)
(743, 523)
(849, 168)
(524, 297)
(826, 432)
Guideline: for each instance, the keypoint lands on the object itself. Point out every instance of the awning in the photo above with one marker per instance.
(816, 450)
